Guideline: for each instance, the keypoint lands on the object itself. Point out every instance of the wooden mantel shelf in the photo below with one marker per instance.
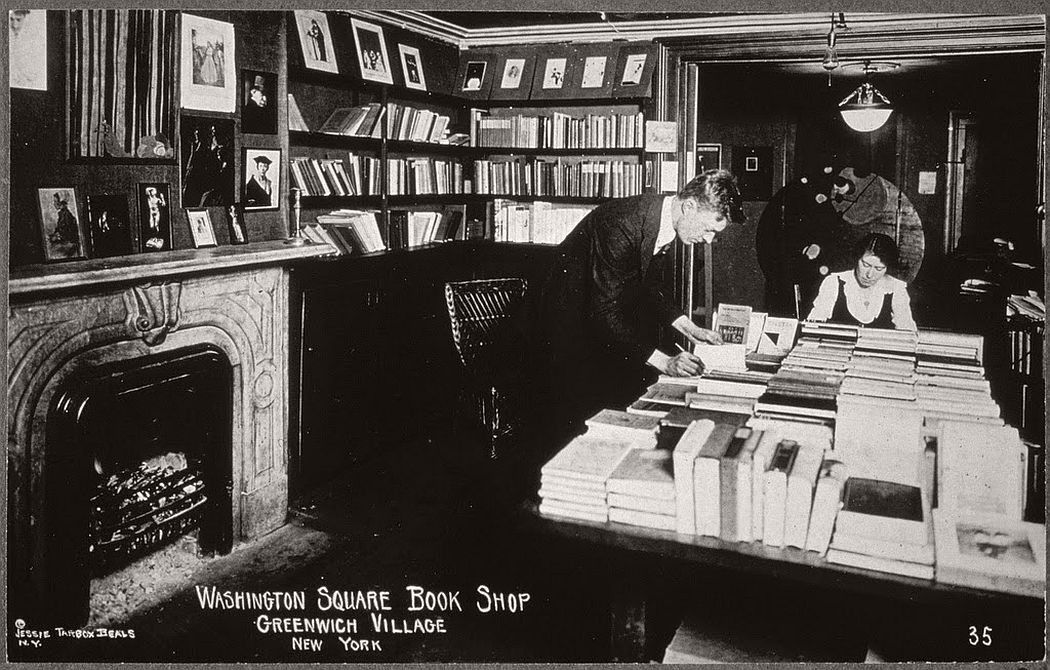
(78, 275)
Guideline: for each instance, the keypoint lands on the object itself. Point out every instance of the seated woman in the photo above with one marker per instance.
(866, 295)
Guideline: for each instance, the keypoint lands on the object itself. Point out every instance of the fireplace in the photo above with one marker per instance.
(143, 450)
(186, 357)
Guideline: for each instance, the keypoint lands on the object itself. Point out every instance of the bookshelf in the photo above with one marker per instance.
(377, 147)
(544, 165)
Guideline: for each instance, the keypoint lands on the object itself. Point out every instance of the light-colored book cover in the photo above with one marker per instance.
(799, 503)
(981, 469)
(990, 551)
(644, 472)
(684, 457)
(588, 458)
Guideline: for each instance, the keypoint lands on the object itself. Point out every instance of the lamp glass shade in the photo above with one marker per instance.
(865, 120)
(865, 109)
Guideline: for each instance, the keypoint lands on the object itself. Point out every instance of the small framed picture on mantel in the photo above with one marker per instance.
(200, 227)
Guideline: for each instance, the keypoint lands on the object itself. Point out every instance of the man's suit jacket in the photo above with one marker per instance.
(601, 308)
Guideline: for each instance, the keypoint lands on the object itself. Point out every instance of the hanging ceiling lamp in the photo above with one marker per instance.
(866, 108)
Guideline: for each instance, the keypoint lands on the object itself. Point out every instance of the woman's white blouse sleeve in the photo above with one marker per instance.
(901, 303)
(824, 303)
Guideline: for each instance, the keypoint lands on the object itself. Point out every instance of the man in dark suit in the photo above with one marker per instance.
(600, 311)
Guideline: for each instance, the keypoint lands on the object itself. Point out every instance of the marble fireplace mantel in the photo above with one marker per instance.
(67, 319)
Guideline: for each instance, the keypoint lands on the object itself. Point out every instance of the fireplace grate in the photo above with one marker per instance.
(138, 509)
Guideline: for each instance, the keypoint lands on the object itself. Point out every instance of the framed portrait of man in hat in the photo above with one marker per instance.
(258, 102)
(262, 179)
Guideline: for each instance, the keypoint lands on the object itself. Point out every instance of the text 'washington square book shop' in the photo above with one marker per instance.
(404, 336)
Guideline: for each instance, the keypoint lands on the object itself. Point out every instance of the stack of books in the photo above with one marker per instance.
(885, 526)
(641, 491)
(573, 482)
(800, 394)
(1028, 307)
(982, 539)
(950, 383)
(721, 392)
(663, 395)
(882, 365)
(356, 175)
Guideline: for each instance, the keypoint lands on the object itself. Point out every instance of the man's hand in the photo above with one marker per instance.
(695, 333)
(684, 364)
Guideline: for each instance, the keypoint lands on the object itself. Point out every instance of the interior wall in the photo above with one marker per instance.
(759, 104)
(39, 143)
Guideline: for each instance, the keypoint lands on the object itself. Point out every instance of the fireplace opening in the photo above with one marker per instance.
(139, 455)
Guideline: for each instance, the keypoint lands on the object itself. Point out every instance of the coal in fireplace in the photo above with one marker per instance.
(139, 455)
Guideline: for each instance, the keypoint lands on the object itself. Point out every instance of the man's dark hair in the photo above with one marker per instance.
(718, 190)
(879, 245)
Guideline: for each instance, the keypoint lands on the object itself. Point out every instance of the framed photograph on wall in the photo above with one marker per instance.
(371, 51)
(258, 102)
(154, 216)
(200, 227)
(209, 81)
(315, 38)
(60, 226)
(27, 40)
(109, 225)
(206, 152)
(412, 67)
(513, 73)
(262, 179)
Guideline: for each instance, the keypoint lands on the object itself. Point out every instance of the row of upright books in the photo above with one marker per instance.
(559, 131)
(537, 222)
(559, 178)
(360, 175)
(355, 175)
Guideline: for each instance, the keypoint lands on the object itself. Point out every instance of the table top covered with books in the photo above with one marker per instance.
(871, 460)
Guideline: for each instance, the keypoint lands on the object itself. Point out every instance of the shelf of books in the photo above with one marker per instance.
(869, 452)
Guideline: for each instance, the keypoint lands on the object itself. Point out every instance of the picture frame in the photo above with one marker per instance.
(634, 70)
(61, 230)
(513, 74)
(477, 70)
(475, 75)
(201, 229)
(592, 68)
(154, 205)
(207, 161)
(371, 51)
(261, 187)
(208, 55)
(412, 67)
(555, 74)
(315, 40)
(708, 157)
(109, 226)
(235, 223)
(27, 42)
(258, 102)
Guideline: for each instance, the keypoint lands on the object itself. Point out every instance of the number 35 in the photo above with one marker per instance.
(985, 638)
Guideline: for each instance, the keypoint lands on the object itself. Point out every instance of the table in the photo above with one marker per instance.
(1017, 621)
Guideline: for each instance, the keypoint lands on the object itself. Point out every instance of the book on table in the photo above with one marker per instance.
(981, 469)
(799, 499)
(760, 460)
(615, 423)
(683, 459)
(735, 469)
(706, 485)
(774, 494)
(648, 473)
(991, 552)
(827, 499)
(591, 459)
